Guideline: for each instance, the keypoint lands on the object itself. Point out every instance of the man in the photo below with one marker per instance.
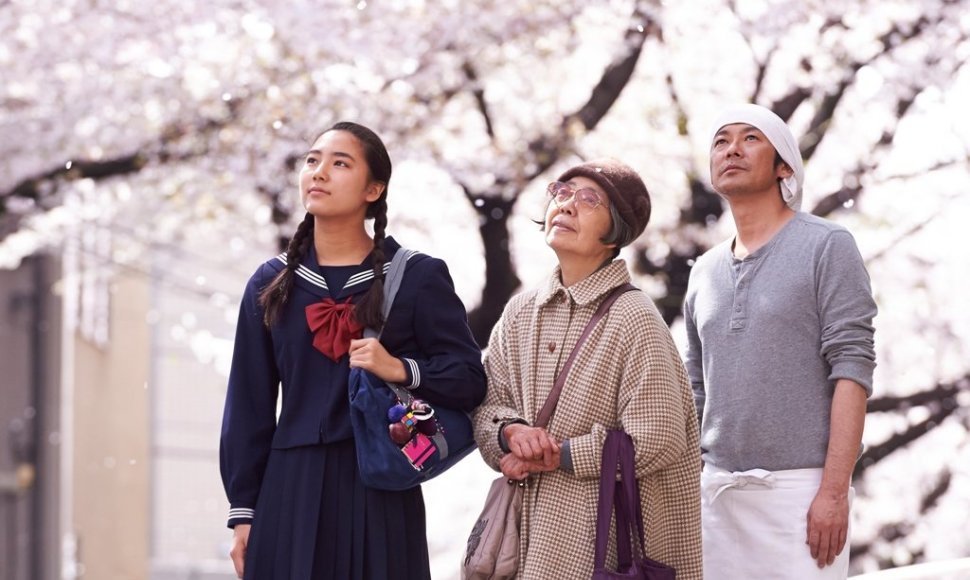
(780, 356)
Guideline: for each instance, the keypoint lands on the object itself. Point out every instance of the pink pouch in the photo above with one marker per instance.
(419, 449)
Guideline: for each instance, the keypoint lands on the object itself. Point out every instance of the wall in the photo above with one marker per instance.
(111, 434)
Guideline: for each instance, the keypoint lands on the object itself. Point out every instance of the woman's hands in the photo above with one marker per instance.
(240, 539)
(369, 354)
(514, 468)
(532, 450)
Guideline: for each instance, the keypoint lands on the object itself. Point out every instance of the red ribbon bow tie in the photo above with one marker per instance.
(334, 326)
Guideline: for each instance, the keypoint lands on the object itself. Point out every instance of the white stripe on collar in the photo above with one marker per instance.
(305, 273)
(358, 278)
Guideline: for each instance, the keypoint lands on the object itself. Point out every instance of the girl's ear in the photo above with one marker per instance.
(374, 191)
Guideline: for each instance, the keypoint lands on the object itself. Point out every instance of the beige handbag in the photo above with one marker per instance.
(492, 552)
(493, 546)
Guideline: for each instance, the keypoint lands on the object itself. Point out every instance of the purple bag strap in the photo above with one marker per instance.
(607, 492)
(628, 505)
(618, 455)
(542, 419)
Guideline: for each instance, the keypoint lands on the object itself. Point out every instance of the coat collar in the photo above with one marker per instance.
(588, 289)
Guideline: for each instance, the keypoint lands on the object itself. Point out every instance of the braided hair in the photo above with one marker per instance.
(368, 311)
(275, 295)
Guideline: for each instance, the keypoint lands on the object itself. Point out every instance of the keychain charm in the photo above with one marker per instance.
(411, 428)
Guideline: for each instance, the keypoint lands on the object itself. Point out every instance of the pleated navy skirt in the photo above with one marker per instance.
(315, 520)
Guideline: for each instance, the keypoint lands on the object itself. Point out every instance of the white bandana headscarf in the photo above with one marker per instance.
(779, 135)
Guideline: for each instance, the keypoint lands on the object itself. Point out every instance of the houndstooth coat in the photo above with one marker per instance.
(629, 375)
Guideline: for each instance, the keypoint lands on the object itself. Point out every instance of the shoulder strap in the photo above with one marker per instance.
(542, 419)
(392, 283)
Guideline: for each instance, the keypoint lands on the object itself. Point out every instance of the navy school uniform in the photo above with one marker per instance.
(295, 478)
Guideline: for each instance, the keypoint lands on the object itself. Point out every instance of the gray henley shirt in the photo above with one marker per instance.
(768, 337)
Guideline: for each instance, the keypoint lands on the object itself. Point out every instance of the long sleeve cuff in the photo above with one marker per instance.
(565, 457)
(414, 373)
(858, 370)
(240, 515)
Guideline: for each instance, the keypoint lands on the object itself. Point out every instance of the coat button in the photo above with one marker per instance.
(552, 347)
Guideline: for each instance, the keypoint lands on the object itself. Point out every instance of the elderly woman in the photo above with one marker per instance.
(628, 375)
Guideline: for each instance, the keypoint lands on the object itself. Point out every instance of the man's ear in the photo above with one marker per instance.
(783, 170)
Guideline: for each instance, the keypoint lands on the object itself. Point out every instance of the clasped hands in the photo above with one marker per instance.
(531, 450)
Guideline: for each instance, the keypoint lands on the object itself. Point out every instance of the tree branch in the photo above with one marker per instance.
(872, 455)
(41, 186)
(938, 490)
(896, 531)
(907, 233)
(761, 64)
(819, 124)
(547, 149)
(759, 78)
(164, 148)
(479, 93)
(618, 74)
(943, 393)
(833, 201)
(495, 205)
(785, 107)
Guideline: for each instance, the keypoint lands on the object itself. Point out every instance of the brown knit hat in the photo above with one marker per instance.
(623, 186)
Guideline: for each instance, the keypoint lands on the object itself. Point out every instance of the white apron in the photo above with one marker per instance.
(754, 525)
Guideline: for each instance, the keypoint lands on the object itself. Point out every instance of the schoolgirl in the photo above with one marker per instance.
(297, 506)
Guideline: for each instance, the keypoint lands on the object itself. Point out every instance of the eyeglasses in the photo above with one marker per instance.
(585, 197)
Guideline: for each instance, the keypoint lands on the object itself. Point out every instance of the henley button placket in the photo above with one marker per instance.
(738, 318)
